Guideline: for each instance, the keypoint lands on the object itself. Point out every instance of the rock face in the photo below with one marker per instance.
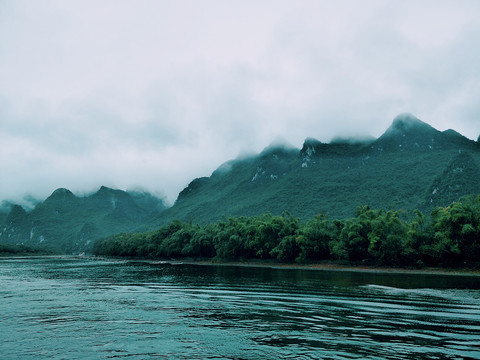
(399, 170)
(71, 224)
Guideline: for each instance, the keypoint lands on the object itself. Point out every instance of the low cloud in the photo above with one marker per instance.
(157, 93)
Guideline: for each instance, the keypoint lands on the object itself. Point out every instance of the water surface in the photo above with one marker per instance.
(68, 308)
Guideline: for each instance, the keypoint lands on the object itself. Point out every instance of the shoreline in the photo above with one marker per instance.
(319, 266)
(323, 267)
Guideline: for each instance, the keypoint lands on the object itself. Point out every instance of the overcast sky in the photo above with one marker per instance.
(156, 93)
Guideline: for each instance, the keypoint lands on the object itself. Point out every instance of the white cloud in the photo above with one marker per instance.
(156, 93)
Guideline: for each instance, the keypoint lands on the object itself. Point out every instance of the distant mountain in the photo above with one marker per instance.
(71, 223)
(27, 202)
(412, 165)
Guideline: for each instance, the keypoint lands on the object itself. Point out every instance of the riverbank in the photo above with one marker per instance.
(318, 266)
(326, 266)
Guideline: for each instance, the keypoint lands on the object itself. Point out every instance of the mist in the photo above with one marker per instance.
(154, 94)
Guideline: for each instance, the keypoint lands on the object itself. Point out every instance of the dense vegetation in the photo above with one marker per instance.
(411, 166)
(72, 223)
(24, 250)
(450, 236)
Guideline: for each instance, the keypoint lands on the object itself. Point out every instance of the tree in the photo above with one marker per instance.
(457, 231)
(353, 241)
(231, 239)
(201, 243)
(315, 238)
(387, 237)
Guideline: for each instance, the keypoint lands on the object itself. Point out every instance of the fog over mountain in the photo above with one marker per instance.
(411, 167)
(155, 94)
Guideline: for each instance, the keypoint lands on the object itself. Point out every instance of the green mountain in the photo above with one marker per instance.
(71, 223)
(412, 165)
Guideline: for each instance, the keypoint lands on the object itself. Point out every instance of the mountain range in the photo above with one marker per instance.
(411, 166)
(69, 223)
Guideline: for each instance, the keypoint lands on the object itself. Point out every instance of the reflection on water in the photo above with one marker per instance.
(81, 308)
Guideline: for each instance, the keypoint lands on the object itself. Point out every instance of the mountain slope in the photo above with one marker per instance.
(396, 171)
(72, 223)
(412, 165)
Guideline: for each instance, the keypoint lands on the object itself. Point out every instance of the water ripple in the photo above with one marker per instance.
(85, 309)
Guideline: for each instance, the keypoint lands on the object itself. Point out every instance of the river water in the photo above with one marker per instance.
(68, 308)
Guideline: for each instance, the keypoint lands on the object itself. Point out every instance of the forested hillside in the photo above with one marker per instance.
(411, 166)
(67, 223)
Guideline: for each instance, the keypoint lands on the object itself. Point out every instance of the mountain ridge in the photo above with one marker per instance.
(72, 223)
(396, 170)
(410, 166)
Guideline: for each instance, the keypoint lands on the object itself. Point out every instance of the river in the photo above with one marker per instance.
(70, 308)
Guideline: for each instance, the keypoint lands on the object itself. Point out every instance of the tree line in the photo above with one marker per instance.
(7, 250)
(449, 236)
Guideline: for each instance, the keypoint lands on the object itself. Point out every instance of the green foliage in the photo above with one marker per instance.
(23, 250)
(412, 166)
(457, 231)
(449, 236)
(201, 243)
(354, 239)
(387, 238)
(72, 223)
(316, 237)
(232, 238)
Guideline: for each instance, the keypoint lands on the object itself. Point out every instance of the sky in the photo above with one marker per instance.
(139, 94)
